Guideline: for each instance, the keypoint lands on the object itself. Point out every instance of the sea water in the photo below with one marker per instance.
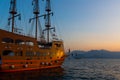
(72, 69)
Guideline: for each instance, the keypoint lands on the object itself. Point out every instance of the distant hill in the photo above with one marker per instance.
(94, 54)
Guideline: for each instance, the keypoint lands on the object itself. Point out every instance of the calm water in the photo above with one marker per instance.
(73, 69)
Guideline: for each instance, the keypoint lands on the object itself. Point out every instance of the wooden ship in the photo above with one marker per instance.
(20, 52)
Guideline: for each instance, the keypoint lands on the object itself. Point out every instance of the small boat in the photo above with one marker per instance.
(19, 52)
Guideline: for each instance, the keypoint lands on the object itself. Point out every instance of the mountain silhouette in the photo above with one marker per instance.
(95, 54)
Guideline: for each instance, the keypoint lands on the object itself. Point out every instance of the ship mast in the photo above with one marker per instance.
(47, 21)
(36, 12)
(13, 13)
(35, 4)
(46, 16)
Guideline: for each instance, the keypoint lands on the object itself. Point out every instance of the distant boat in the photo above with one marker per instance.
(20, 52)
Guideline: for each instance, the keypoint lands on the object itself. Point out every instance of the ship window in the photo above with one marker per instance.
(45, 45)
(49, 44)
(30, 43)
(8, 53)
(7, 40)
(50, 57)
(29, 53)
(20, 53)
(38, 53)
(44, 54)
(18, 41)
(58, 45)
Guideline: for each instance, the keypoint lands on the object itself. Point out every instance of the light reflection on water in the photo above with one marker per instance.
(93, 69)
(73, 69)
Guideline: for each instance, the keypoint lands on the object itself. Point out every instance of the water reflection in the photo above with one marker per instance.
(46, 74)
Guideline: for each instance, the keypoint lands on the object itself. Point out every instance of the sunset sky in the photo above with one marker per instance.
(82, 24)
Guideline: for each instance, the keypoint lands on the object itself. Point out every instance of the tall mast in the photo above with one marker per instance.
(48, 22)
(13, 13)
(46, 16)
(35, 12)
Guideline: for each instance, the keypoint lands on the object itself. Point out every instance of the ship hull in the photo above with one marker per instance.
(26, 67)
(29, 69)
(17, 55)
